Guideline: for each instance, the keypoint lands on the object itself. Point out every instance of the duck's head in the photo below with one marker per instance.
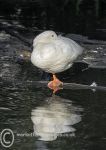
(45, 37)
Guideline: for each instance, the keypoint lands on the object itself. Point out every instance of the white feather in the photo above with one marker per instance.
(54, 53)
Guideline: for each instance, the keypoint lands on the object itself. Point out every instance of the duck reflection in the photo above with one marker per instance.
(55, 118)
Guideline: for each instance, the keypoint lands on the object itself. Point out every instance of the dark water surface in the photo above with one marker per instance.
(71, 119)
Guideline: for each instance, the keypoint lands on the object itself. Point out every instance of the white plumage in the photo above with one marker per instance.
(54, 53)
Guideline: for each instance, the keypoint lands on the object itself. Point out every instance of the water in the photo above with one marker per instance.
(71, 119)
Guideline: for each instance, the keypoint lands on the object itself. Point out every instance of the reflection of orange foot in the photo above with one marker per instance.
(55, 85)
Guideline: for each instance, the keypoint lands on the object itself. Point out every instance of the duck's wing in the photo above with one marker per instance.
(73, 45)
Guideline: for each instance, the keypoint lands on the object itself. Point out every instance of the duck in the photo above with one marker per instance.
(54, 54)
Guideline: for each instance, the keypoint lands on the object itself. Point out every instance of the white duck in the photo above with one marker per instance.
(54, 54)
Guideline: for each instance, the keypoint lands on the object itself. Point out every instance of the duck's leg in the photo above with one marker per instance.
(55, 84)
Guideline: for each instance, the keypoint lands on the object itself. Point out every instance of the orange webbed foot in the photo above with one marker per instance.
(55, 84)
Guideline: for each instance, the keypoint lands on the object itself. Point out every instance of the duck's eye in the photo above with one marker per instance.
(52, 35)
